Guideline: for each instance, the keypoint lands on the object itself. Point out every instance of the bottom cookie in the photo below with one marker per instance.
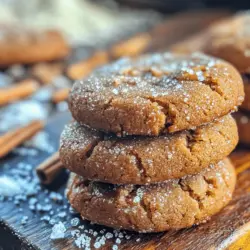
(173, 204)
(243, 122)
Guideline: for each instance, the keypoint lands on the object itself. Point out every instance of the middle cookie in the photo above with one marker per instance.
(141, 160)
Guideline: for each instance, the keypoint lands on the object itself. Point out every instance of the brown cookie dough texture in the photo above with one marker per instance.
(243, 122)
(230, 40)
(156, 94)
(173, 204)
(140, 160)
(22, 45)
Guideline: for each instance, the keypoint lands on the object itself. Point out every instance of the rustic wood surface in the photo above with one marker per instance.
(228, 229)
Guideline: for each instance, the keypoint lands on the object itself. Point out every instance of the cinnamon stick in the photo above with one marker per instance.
(131, 47)
(48, 170)
(47, 72)
(60, 95)
(243, 167)
(12, 139)
(19, 91)
(243, 163)
(83, 68)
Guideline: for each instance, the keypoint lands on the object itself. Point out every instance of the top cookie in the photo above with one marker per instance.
(230, 40)
(156, 94)
(22, 45)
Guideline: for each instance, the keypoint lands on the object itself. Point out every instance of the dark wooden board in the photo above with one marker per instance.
(228, 226)
(9, 209)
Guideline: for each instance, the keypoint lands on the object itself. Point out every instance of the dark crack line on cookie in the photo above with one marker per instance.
(190, 140)
(214, 87)
(105, 108)
(108, 104)
(139, 165)
(89, 152)
(224, 135)
(147, 211)
(165, 109)
(191, 194)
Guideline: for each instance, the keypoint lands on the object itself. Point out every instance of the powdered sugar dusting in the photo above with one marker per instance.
(16, 115)
(120, 79)
(166, 92)
(147, 202)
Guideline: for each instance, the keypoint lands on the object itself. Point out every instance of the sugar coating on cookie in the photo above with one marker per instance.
(173, 204)
(25, 45)
(140, 159)
(156, 94)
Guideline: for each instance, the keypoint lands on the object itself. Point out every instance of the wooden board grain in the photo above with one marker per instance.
(229, 226)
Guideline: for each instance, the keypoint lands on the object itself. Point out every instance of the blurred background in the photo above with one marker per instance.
(168, 6)
(80, 20)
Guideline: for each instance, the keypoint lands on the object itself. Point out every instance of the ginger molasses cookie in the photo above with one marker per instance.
(23, 45)
(156, 94)
(243, 122)
(230, 40)
(173, 204)
(140, 160)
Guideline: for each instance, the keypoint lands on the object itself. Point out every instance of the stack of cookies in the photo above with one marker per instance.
(229, 40)
(149, 142)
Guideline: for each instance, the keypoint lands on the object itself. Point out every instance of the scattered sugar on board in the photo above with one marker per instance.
(22, 187)
(16, 115)
(41, 141)
(5, 80)
(58, 231)
(17, 71)
(86, 238)
(24, 220)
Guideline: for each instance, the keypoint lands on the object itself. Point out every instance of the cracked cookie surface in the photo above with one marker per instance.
(141, 159)
(156, 94)
(173, 204)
